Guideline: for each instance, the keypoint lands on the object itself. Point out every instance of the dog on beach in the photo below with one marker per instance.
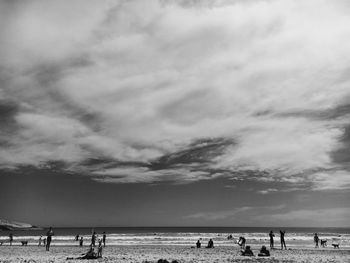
(323, 242)
(335, 245)
(24, 243)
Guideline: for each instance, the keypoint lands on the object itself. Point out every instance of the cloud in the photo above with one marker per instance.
(263, 84)
(236, 212)
(267, 191)
(304, 217)
(330, 180)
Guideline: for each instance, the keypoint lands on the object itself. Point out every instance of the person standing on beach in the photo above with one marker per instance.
(271, 234)
(81, 241)
(316, 239)
(11, 238)
(40, 239)
(283, 243)
(93, 239)
(49, 235)
(104, 239)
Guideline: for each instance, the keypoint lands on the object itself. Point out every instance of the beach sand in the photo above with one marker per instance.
(130, 253)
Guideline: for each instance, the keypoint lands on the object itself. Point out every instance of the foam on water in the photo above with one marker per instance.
(293, 239)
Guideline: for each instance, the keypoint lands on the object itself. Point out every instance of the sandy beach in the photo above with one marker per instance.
(128, 254)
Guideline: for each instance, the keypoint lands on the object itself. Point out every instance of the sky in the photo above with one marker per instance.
(175, 113)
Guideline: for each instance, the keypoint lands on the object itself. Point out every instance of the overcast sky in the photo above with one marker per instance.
(211, 113)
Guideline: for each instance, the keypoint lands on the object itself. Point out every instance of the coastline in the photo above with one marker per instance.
(151, 253)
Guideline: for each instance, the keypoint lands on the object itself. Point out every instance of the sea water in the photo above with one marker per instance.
(183, 236)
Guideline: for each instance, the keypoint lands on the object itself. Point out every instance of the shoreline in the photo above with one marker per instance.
(151, 253)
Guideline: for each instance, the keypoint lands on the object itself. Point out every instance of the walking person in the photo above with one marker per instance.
(271, 234)
(283, 242)
(316, 239)
(49, 235)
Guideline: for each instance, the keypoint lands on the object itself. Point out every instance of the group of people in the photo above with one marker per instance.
(210, 244)
(264, 252)
(246, 250)
(283, 242)
(46, 241)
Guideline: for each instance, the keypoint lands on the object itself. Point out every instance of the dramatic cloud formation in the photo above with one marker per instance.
(149, 91)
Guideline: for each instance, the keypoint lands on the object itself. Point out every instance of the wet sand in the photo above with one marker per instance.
(128, 254)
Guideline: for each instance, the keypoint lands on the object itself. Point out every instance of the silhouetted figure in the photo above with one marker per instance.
(11, 238)
(88, 255)
(316, 239)
(81, 241)
(40, 240)
(264, 252)
(93, 239)
(99, 250)
(241, 242)
(198, 244)
(271, 235)
(323, 242)
(210, 244)
(283, 242)
(49, 235)
(229, 237)
(44, 242)
(247, 252)
(77, 237)
(104, 239)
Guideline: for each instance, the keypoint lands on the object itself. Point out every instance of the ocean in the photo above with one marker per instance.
(183, 236)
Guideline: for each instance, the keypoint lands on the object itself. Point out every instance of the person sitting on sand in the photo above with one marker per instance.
(241, 242)
(247, 252)
(198, 244)
(89, 255)
(264, 252)
(316, 239)
(210, 244)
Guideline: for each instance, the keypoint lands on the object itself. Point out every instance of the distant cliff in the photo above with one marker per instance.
(6, 225)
